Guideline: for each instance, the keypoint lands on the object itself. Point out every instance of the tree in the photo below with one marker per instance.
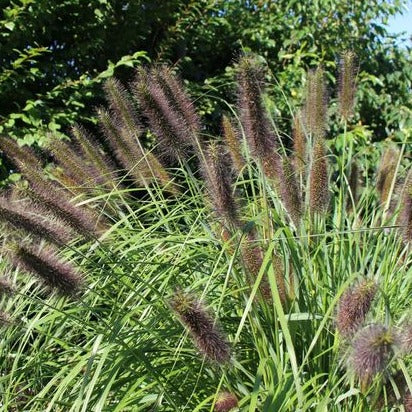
(54, 55)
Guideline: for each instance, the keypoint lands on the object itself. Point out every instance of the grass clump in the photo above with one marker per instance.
(287, 248)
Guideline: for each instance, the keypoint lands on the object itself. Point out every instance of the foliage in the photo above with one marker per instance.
(270, 276)
(55, 54)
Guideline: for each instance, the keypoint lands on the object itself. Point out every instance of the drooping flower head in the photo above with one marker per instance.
(372, 348)
(353, 307)
(205, 333)
(226, 401)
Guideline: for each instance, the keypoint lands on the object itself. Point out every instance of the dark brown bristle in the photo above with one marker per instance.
(299, 145)
(168, 125)
(45, 264)
(354, 305)
(386, 172)
(28, 219)
(253, 116)
(206, 335)
(319, 181)
(216, 173)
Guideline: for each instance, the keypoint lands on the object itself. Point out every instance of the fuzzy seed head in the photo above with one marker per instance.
(93, 153)
(299, 145)
(347, 84)
(405, 338)
(206, 335)
(217, 174)
(290, 192)
(353, 186)
(253, 116)
(168, 124)
(404, 220)
(252, 258)
(56, 203)
(175, 93)
(5, 319)
(121, 106)
(23, 157)
(386, 172)
(55, 273)
(316, 103)
(319, 195)
(353, 307)
(226, 401)
(371, 350)
(29, 220)
(6, 287)
(233, 143)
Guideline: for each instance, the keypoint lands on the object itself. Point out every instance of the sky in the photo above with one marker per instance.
(402, 23)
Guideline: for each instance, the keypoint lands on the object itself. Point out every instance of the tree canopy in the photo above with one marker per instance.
(54, 55)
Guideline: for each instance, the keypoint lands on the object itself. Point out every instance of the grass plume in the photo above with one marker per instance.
(316, 103)
(28, 219)
(206, 335)
(217, 175)
(233, 143)
(353, 307)
(168, 125)
(347, 84)
(386, 172)
(44, 263)
(319, 195)
(372, 348)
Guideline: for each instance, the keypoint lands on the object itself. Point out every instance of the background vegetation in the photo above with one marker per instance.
(54, 55)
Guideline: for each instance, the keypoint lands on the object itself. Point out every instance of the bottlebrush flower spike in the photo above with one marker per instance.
(290, 192)
(216, 172)
(122, 108)
(47, 195)
(94, 155)
(404, 220)
(233, 143)
(129, 156)
(6, 287)
(353, 186)
(299, 145)
(23, 157)
(178, 99)
(168, 125)
(82, 175)
(253, 116)
(28, 220)
(206, 335)
(226, 401)
(372, 348)
(354, 305)
(316, 103)
(386, 172)
(45, 264)
(318, 179)
(347, 84)
(252, 258)
(55, 202)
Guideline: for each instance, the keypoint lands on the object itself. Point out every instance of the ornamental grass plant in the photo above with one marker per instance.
(178, 271)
